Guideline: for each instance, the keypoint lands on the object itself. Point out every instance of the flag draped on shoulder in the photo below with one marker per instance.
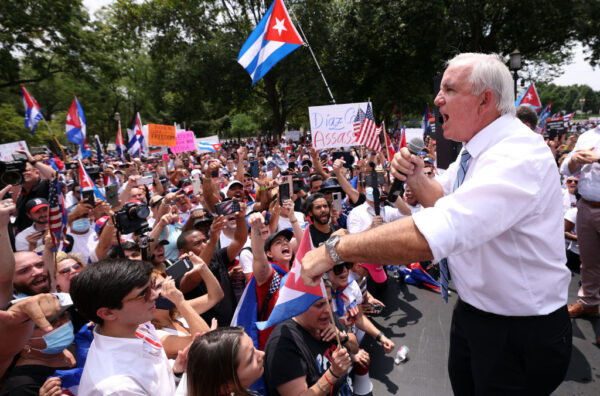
(369, 132)
(530, 98)
(295, 297)
(57, 216)
(136, 137)
(33, 112)
(273, 39)
(76, 128)
(86, 182)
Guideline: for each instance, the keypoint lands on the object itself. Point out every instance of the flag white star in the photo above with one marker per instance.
(279, 26)
(529, 96)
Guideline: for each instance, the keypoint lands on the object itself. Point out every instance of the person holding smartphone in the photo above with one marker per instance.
(31, 237)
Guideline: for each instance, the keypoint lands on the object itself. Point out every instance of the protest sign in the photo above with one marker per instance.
(185, 142)
(292, 135)
(332, 126)
(555, 127)
(161, 135)
(208, 144)
(8, 149)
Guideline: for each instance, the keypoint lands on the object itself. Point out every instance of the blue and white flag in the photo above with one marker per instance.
(208, 147)
(136, 138)
(273, 39)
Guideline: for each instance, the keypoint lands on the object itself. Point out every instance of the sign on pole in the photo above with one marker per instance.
(161, 135)
(332, 126)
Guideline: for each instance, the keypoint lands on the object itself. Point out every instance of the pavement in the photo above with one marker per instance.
(418, 318)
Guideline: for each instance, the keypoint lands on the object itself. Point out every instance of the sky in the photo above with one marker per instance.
(578, 72)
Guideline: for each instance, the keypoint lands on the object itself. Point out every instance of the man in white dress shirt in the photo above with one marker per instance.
(496, 216)
(126, 356)
(585, 159)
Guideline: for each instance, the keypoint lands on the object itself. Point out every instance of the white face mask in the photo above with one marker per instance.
(369, 194)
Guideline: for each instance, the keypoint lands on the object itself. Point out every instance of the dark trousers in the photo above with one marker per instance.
(508, 355)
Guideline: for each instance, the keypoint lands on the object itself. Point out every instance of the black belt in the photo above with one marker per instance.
(468, 307)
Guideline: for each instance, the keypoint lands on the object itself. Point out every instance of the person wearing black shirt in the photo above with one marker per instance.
(318, 209)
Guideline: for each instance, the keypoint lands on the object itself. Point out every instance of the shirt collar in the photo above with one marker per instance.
(490, 135)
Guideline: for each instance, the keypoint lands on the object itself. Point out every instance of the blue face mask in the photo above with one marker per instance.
(81, 225)
(58, 339)
(369, 194)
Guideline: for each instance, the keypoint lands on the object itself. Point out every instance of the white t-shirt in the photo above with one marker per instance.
(571, 215)
(246, 257)
(569, 200)
(21, 241)
(85, 244)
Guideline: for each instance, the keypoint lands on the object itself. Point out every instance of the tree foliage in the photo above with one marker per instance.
(175, 61)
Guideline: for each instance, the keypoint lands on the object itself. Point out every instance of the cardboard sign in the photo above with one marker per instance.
(185, 142)
(293, 135)
(332, 126)
(7, 150)
(161, 135)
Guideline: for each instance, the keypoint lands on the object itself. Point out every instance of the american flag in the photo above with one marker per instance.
(360, 116)
(369, 132)
(57, 218)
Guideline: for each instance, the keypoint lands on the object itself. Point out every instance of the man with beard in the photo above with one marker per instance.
(31, 237)
(31, 277)
(317, 210)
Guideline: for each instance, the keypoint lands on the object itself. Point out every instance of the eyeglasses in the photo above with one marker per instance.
(144, 294)
(572, 181)
(68, 269)
(338, 269)
(429, 173)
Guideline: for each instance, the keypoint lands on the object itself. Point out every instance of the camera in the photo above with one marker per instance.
(93, 171)
(132, 219)
(12, 171)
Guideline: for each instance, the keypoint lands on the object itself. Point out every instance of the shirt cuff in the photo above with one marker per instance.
(432, 223)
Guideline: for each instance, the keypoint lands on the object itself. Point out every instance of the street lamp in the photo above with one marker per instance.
(581, 104)
(514, 66)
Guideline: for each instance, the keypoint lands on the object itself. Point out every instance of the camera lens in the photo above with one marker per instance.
(139, 212)
(11, 177)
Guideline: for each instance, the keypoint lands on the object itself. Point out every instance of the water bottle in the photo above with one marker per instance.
(401, 355)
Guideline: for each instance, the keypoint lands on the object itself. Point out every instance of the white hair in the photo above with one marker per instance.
(489, 72)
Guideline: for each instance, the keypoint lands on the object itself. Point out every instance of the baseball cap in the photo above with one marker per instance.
(377, 272)
(285, 232)
(35, 204)
(233, 183)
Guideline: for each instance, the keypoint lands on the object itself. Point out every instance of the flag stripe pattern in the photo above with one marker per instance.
(121, 148)
(273, 39)
(57, 217)
(295, 297)
(136, 137)
(369, 132)
(33, 112)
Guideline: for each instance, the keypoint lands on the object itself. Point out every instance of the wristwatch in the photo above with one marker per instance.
(330, 247)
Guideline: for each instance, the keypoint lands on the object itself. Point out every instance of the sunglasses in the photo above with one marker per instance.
(145, 294)
(572, 181)
(338, 269)
(68, 269)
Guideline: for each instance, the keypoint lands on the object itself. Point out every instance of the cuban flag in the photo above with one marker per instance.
(425, 124)
(76, 128)
(530, 98)
(402, 141)
(86, 182)
(273, 39)
(121, 148)
(295, 297)
(391, 151)
(568, 117)
(33, 112)
(208, 147)
(136, 138)
(545, 114)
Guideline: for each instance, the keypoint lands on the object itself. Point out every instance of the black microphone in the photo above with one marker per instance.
(415, 146)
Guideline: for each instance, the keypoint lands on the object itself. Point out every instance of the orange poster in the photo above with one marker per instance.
(161, 135)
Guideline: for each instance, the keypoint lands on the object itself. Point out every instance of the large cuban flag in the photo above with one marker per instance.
(76, 128)
(136, 138)
(530, 98)
(295, 297)
(273, 39)
(33, 112)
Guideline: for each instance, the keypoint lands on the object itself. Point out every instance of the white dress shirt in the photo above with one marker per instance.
(589, 181)
(127, 366)
(502, 229)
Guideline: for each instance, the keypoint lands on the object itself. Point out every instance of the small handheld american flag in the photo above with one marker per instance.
(57, 218)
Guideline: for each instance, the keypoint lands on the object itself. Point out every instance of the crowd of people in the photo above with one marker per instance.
(143, 293)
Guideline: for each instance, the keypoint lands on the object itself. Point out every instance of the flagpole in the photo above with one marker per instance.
(337, 336)
(313, 55)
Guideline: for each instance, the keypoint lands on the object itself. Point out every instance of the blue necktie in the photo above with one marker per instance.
(460, 177)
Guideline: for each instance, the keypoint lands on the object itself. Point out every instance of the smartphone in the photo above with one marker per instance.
(19, 157)
(254, 169)
(284, 193)
(123, 166)
(289, 179)
(337, 201)
(196, 185)
(346, 156)
(180, 268)
(87, 196)
(227, 207)
(145, 180)
(112, 195)
(151, 174)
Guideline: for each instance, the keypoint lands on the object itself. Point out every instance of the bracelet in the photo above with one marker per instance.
(321, 387)
(378, 338)
(327, 378)
(332, 373)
